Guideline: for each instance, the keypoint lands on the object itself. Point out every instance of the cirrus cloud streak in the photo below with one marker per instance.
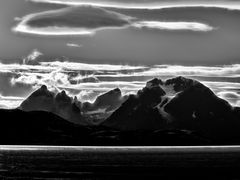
(190, 26)
(151, 4)
(78, 78)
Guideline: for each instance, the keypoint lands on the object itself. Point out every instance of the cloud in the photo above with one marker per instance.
(74, 45)
(89, 80)
(86, 95)
(57, 74)
(9, 102)
(191, 26)
(227, 71)
(150, 4)
(32, 58)
(106, 86)
(118, 71)
(80, 20)
(88, 19)
(231, 96)
(90, 67)
(209, 71)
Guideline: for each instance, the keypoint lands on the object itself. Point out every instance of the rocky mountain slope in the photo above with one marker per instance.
(174, 105)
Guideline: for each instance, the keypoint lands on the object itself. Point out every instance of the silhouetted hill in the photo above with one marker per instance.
(139, 111)
(38, 127)
(198, 108)
(108, 101)
(43, 128)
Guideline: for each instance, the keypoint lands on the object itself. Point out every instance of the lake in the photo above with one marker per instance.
(49, 162)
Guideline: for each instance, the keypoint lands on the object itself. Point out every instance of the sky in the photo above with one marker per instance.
(88, 47)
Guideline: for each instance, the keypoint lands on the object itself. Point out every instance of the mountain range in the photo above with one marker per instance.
(177, 111)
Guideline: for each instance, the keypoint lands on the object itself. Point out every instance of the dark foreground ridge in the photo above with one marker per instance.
(44, 128)
(177, 111)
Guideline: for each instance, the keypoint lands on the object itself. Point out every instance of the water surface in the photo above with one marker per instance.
(119, 162)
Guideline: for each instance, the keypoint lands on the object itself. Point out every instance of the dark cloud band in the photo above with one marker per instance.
(72, 20)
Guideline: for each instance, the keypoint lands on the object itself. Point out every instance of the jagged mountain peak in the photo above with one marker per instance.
(180, 83)
(108, 101)
(151, 95)
(63, 97)
(60, 104)
(154, 82)
(42, 91)
(44, 88)
(153, 91)
(112, 95)
(139, 111)
(117, 90)
(194, 106)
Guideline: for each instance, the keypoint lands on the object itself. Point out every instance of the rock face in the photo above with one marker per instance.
(139, 112)
(180, 83)
(60, 104)
(154, 82)
(108, 101)
(193, 107)
(70, 108)
(41, 99)
(103, 106)
(175, 104)
(198, 108)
